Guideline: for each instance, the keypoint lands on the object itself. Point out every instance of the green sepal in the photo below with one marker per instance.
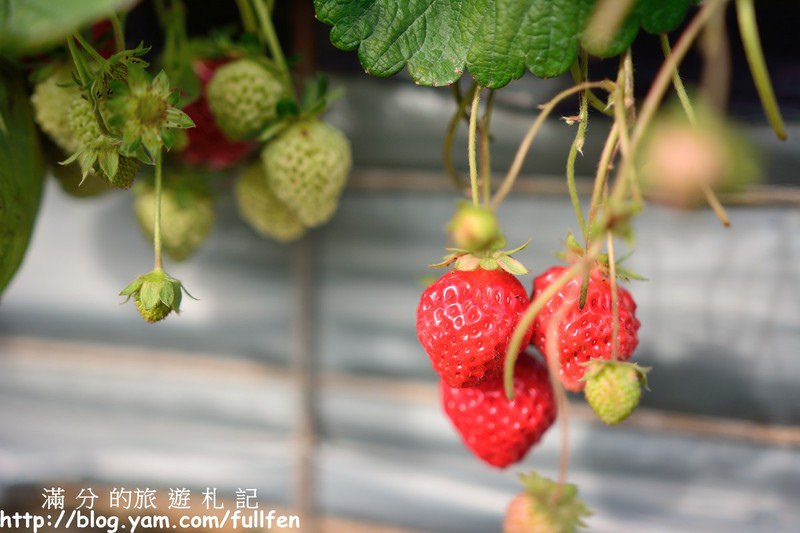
(178, 119)
(511, 265)
(469, 262)
(559, 503)
(150, 294)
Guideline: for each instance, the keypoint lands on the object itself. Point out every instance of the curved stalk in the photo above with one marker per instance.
(748, 28)
(450, 135)
(577, 146)
(522, 151)
(157, 222)
(485, 152)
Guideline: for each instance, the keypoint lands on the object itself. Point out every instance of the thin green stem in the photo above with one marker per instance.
(522, 151)
(708, 192)
(450, 135)
(621, 118)
(248, 18)
(554, 374)
(577, 146)
(157, 222)
(119, 32)
(274, 45)
(748, 28)
(524, 325)
(486, 155)
(594, 100)
(663, 78)
(601, 177)
(677, 82)
(472, 155)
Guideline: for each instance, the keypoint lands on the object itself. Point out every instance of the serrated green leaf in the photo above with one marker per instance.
(28, 26)
(496, 40)
(21, 174)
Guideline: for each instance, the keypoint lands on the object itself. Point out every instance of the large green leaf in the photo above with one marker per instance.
(496, 40)
(21, 174)
(29, 26)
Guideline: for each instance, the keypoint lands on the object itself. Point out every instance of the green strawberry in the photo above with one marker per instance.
(544, 507)
(97, 149)
(51, 97)
(307, 167)
(262, 210)
(613, 388)
(156, 295)
(187, 216)
(243, 96)
(155, 314)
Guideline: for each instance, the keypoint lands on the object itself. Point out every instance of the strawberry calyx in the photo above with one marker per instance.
(489, 260)
(553, 506)
(478, 240)
(156, 295)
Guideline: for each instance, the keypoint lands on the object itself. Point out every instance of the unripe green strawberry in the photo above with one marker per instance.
(613, 389)
(262, 210)
(545, 507)
(95, 149)
(187, 217)
(155, 314)
(156, 295)
(51, 97)
(474, 228)
(242, 96)
(307, 166)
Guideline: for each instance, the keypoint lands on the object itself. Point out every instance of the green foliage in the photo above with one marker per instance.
(29, 26)
(21, 174)
(496, 40)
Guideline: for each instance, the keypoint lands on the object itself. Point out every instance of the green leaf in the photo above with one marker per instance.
(662, 16)
(21, 173)
(496, 40)
(29, 26)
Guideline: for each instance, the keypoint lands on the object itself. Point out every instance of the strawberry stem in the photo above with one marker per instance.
(157, 223)
(683, 97)
(603, 169)
(473, 163)
(748, 28)
(248, 19)
(119, 32)
(274, 45)
(577, 146)
(662, 80)
(515, 346)
(485, 152)
(522, 151)
(562, 406)
(450, 135)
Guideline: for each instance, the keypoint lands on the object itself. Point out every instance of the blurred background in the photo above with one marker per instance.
(90, 395)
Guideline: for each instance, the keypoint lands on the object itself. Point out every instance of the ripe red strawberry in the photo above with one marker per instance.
(465, 320)
(207, 146)
(586, 333)
(497, 430)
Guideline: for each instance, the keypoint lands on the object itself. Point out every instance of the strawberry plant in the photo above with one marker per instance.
(200, 114)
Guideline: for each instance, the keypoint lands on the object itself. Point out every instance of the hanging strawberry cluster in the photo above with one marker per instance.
(107, 116)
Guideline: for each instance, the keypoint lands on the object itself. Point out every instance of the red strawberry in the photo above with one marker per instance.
(207, 145)
(584, 333)
(465, 320)
(497, 430)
